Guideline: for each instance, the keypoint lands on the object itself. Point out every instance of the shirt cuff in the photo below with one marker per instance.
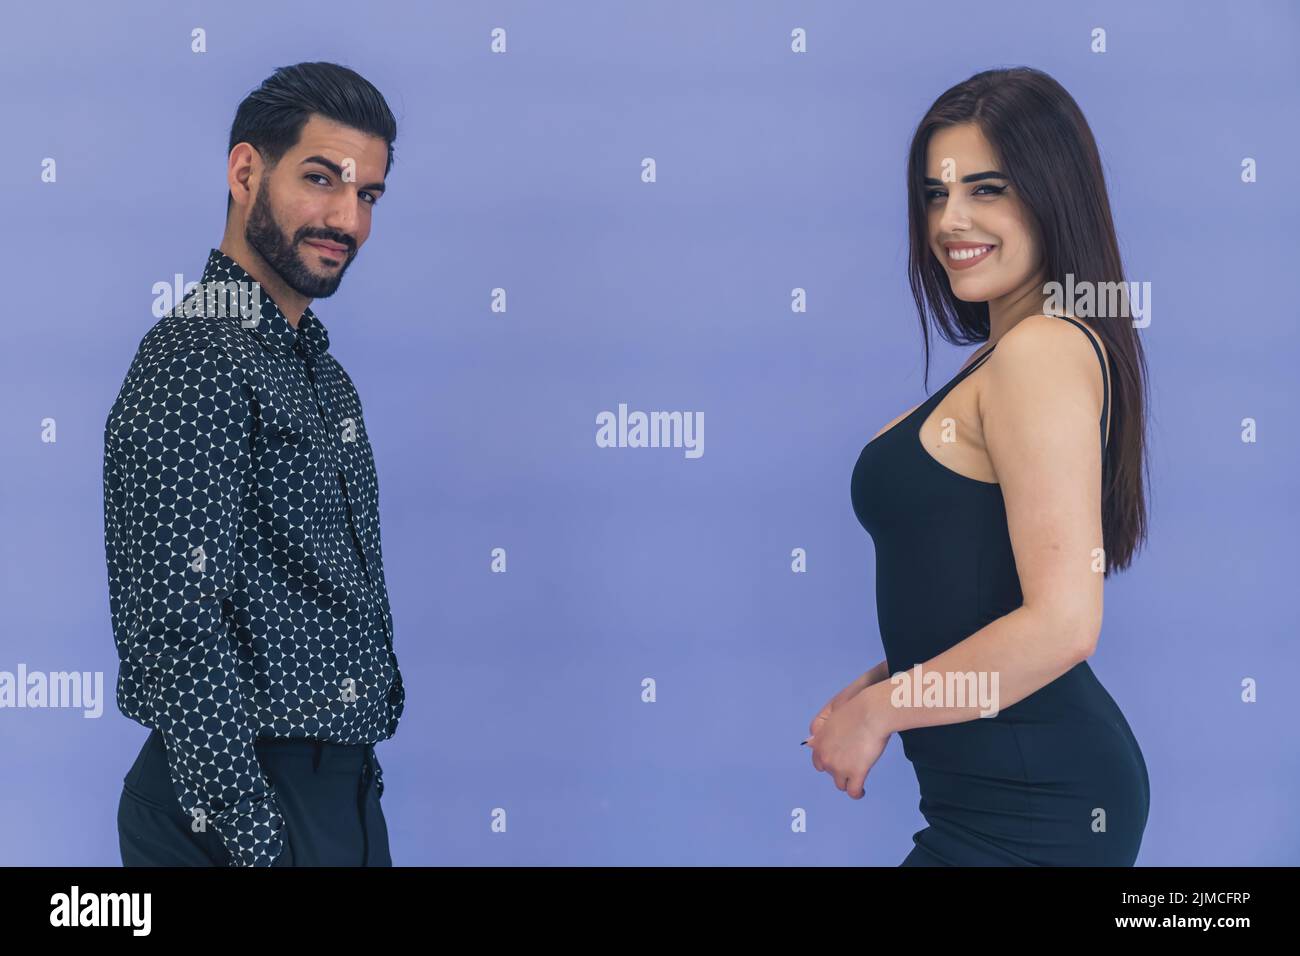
(253, 833)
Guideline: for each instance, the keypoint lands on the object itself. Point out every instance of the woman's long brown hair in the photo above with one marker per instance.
(1047, 149)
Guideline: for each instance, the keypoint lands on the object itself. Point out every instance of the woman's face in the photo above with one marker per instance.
(974, 212)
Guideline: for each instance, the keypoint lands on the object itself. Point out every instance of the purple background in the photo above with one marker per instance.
(775, 170)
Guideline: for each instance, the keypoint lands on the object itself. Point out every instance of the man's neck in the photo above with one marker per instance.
(291, 304)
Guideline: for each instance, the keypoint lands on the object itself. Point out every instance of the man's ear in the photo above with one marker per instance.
(243, 172)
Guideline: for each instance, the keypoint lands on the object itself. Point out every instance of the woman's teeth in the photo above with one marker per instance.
(960, 254)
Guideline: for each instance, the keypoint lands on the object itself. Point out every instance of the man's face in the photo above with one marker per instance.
(311, 213)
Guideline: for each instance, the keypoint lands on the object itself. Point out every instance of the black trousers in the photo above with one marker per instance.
(326, 793)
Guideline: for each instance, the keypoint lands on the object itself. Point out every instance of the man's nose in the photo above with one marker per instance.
(342, 216)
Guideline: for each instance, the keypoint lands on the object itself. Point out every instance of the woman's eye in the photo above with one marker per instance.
(932, 194)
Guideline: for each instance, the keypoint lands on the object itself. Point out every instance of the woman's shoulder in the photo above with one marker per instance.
(1045, 358)
(1052, 339)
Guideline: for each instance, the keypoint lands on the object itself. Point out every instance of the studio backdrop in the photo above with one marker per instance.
(612, 650)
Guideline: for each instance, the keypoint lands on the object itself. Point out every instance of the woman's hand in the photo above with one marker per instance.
(849, 741)
(875, 675)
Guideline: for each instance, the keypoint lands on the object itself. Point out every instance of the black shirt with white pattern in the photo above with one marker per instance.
(241, 528)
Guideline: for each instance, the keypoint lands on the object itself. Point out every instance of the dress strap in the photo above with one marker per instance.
(1105, 378)
(971, 367)
(980, 361)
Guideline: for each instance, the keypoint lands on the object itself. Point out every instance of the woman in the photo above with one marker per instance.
(999, 504)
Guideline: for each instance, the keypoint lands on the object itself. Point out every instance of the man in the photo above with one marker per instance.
(246, 580)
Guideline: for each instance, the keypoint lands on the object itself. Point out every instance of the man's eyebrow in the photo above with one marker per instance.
(972, 178)
(337, 170)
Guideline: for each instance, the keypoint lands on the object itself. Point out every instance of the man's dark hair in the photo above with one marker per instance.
(271, 118)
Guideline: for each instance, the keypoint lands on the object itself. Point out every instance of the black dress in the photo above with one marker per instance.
(1056, 779)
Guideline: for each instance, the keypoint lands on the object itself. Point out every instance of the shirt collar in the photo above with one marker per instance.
(271, 327)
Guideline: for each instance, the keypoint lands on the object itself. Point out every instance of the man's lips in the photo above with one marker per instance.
(329, 248)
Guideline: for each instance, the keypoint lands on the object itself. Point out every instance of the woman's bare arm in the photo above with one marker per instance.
(1040, 408)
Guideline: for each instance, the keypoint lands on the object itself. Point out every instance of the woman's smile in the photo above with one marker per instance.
(964, 255)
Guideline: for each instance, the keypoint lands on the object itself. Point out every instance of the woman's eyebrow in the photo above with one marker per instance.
(972, 178)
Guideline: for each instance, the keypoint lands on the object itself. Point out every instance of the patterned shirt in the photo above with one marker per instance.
(245, 576)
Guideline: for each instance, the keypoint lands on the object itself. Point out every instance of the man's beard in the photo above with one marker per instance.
(265, 237)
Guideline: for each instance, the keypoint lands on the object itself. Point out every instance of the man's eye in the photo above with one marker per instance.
(324, 181)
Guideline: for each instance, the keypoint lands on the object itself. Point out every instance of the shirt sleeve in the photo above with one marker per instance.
(177, 455)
